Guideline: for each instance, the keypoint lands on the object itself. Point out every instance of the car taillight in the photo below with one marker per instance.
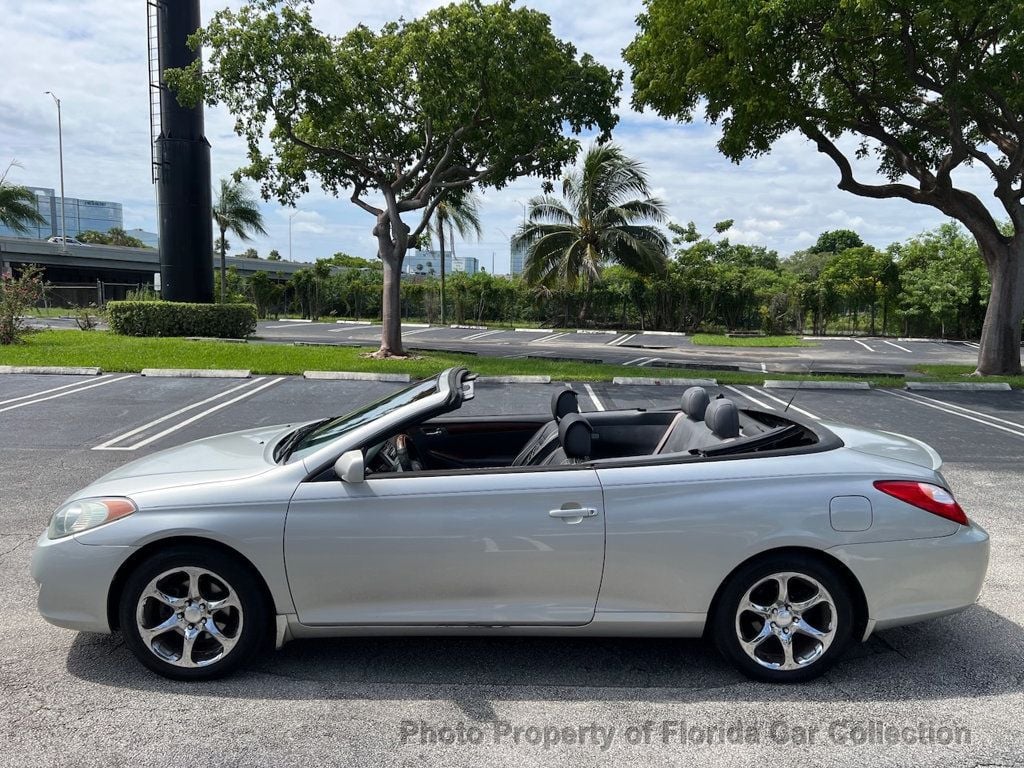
(931, 498)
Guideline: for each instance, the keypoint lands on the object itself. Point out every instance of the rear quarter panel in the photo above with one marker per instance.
(675, 531)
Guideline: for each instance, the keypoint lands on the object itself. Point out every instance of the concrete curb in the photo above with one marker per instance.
(469, 327)
(662, 333)
(353, 322)
(415, 325)
(534, 330)
(214, 338)
(962, 386)
(602, 333)
(402, 378)
(61, 370)
(196, 373)
(293, 320)
(326, 344)
(805, 384)
(662, 382)
(515, 379)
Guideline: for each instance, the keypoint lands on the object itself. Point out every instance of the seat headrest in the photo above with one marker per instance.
(563, 403)
(695, 402)
(723, 418)
(576, 436)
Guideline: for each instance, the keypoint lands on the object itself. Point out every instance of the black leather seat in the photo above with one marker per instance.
(575, 441)
(688, 428)
(545, 439)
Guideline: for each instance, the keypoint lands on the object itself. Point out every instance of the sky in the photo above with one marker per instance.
(92, 54)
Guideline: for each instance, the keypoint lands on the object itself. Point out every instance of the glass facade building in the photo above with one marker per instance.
(82, 215)
(517, 259)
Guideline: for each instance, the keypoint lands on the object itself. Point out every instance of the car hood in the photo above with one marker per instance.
(232, 456)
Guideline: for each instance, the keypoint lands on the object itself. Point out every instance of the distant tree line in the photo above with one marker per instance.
(934, 284)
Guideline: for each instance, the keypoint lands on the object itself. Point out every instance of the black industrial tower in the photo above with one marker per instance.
(181, 159)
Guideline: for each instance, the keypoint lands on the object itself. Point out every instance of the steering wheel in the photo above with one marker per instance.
(405, 450)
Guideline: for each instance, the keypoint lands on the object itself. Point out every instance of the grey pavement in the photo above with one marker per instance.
(75, 699)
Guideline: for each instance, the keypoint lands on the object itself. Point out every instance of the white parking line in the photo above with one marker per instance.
(621, 340)
(414, 332)
(593, 397)
(648, 362)
(192, 419)
(764, 368)
(162, 419)
(788, 403)
(951, 412)
(64, 394)
(858, 341)
(638, 361)
(356, 328)
(54, 389)
(984, 415)
(475, 336)
(552, 337)
(897, 346)
(751, 398)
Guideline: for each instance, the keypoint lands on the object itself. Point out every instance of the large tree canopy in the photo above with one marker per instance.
(467, 95)
(927, 86)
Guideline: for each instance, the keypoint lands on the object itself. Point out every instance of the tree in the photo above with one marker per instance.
(113, 236)
(926, 87)
(341, 259)
(836, 241)
(274, 255)
(18, 205)
(600, 221)
(460, 213)
(237, 211)
(469, 95)
(249, 253)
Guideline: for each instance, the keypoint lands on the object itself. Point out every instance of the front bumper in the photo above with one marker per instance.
(74, 580)
(918, 579)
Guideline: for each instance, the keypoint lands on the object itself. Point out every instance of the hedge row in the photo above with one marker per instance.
(171, 318)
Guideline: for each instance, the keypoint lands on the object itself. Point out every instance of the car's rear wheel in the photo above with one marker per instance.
(784, 618)
(192, 614)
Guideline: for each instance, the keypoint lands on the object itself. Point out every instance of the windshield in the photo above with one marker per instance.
(331, 429)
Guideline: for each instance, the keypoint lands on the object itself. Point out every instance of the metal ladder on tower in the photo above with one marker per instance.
(155, 86)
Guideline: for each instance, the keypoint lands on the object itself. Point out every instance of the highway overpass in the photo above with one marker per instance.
(107, 263)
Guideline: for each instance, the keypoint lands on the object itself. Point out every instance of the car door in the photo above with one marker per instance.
(488, 547)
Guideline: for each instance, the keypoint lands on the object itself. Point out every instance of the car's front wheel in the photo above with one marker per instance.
(784, 618)
(192, 614)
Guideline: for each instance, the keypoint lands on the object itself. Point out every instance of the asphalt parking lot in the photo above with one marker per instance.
(73, 700)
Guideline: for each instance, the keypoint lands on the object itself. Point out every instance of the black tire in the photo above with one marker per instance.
(248, 629)
(728, 624)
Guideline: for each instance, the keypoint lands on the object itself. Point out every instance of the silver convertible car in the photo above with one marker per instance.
(780, 540)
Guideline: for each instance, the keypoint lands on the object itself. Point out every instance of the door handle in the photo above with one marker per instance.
(434, 431)
(572, 513)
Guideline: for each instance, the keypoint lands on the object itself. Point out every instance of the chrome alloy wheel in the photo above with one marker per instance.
(189, 617)
(786, 621)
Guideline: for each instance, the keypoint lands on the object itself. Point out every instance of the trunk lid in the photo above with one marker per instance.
(888, 445)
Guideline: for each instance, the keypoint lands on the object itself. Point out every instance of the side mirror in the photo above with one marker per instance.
(349, 467)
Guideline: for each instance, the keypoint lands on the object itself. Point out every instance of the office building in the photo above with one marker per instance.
(81, 215)
(517, 258)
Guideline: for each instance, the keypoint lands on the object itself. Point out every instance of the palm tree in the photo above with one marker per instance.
(235, 210)
(18, 205)
(460, 214)
(607, 217)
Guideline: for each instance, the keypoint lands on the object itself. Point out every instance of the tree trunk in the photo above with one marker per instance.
(391, 306)
(223, 267)
(1001, 333)
(440, 241)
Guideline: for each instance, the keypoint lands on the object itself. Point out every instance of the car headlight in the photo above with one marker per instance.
(83, 514)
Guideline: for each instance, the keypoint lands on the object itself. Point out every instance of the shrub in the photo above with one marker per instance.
(171, 318)
(17, 295)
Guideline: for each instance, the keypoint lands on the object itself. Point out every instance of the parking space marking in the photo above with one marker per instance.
(621, 340)
(858, 341)
(53, 389)
(959, 410)
(593, 397)
(475, 336)
(787, 404)
(897, 346)
(551, 337)
(250, 390)
(749, 397)
(64, 394)
(638, 361)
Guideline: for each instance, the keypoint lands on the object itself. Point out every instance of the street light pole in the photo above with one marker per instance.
(290, 234)
(60, 149)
